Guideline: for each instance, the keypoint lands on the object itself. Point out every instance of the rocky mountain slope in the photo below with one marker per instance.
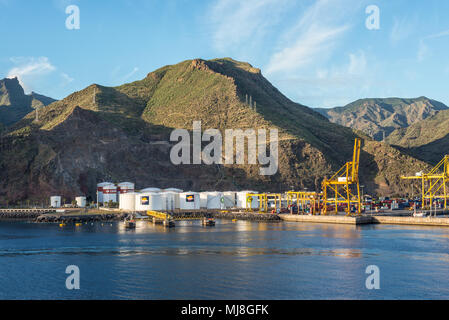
(122, 133)
(15, 104)
(376, 117)
(427, 140)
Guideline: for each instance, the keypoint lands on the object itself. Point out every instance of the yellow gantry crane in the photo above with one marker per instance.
(304, 200)
(344, 185)
(264, 199)
(434, 183)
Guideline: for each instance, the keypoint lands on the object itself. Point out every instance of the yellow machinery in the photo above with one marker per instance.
(434, 183)
(344, 185)
(159, 215)
(264, 198)
(277, 198)
(303, 200)
(263, 202)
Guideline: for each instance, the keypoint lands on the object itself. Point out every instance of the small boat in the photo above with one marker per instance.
(169, 223)
(208, 222)
(62, 225)
(130, 224)
(79, 224)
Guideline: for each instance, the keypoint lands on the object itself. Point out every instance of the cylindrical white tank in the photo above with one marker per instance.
(229, 199)
(151, 190)
(100, 190)
(203, 199)
(215, 200)
(149, 201)
(81, 202)
(241, 198)
(55, 201)
(189, 200)
(128, 201)
(125, 187)
(173, 197)
(109, 193)
(174, 190)
(168, 199)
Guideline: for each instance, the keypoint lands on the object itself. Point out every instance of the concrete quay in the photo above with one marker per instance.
(360, 220)
(327, 219)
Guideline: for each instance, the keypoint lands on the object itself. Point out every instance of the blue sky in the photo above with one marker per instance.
(317, 52)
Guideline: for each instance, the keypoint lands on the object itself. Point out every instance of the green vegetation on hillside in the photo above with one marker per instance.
(121, 133)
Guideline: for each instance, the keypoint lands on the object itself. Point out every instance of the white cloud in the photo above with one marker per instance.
(402, 29)
(313, 38)
(129, 75)
(27, 69)
(423, 50)
(118, 76)
(441, 34)
(313, 43)
(66, 78)
(357, 63)
(338, 84)
(237, 22)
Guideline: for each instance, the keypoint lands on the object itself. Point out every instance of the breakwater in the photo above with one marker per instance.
(267, 217)
(230, 215)
(55, 218)
(23, 214)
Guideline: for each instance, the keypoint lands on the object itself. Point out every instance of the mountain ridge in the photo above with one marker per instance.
(381, 116)
(122, 133)
(15, 104)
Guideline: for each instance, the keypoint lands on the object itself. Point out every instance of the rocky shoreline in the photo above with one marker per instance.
(120, 216)
(52, 218)
(19, 215)
(261, 217)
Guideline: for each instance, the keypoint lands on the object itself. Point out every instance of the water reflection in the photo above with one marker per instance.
(240, 260)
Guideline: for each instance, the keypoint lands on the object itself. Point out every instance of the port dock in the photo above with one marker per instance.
(368, 219)
(336, 219)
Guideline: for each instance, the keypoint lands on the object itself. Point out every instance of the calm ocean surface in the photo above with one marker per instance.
(242, 260)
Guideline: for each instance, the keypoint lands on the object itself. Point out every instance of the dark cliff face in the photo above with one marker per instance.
(15, 104)
(122, 134)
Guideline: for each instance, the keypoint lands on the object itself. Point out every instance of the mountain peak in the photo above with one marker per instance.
(15, 104)
(379, 117)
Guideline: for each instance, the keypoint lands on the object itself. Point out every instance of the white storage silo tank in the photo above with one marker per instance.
(173, 197)
(149, 201)
(55, 201)
(109, 193)
(125, 187)
(189, 200)
(229, 199)
(100, 187)
(203, 199)
(81, 202)
(241, 198)
(151, 189)
(127, 201)
(215, 200)
(168, 199)
(173, 190)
